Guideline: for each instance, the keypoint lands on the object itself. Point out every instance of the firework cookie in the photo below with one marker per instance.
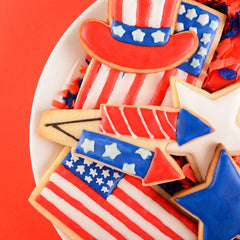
(215, 203)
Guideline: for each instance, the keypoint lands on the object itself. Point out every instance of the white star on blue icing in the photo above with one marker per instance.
(203, 19)
(129, 168)
(138, 35)
(158, 36)
(206, 38)
(118, 30)
(193, 29)
(111, 151)
(202, 51)
(80, 169)
(213, 25)
(191, 14)
(69, 163)
(181, 10)
(88, 145)
(195, 63)
(144, 153)
(179, 27)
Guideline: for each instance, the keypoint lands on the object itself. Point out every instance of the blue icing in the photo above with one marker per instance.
(100, 178)
(189, 127)
(227, 73)
(144, 36)
(113, 152)
(209, 28)
(218, 205)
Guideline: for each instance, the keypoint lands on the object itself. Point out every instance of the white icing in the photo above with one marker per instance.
(111, 151)
(87, 162)
(104, 189)
(202, 51)
(221, 114)
(159, 212)
(156, 13)
(99, 181)
(69, 163)
(191, 14)
(88, 179)
(181, 10)
(105, 173)
(158, 36)
(179, 27)
(194, 29)
(144, 123)
(148, 88)
(92, 206)
(129, 168)
(213, 25)
(203, 19)
(144, 153)
(96, 87)
(118, 30)
(195, 63)
(93, 172)
(129, 12)
(77, 216)
(206, 38)
(74, 158)
(138, 35)
(121, 88)
(135, 217)
(80, 169)
(88, 145)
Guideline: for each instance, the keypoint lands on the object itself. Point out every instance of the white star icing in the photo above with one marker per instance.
(202, 51)
(99, 165)
(111, 151)
(118, 30)
(129, 168)
(158, 36)
(80, 169)
(144, 153)
(138, 35)
(87, 162)
(203, 19)
(193, 29)
(116, 175)
(93, 172)
(195, 63)
(105, 173)
(206, 38)
(69, 163)
(181, 10)
(221, 114)
(179, 27)
(213, 25)
(88, 145)
(104, 189)
(99, 181)
(74, 158)
(191, 14)
(110, 183)
(88, 179)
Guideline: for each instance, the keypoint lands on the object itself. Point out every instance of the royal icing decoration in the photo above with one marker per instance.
(205, 25)
(216, 203)
(220, 110)
(153, 123)
(102, 203)
(127, 157)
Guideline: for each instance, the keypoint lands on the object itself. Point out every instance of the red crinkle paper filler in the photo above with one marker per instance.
(188, 172)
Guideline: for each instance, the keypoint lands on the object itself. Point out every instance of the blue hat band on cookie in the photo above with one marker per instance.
(149, 37)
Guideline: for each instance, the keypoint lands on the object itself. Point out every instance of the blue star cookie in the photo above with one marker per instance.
(216, 203)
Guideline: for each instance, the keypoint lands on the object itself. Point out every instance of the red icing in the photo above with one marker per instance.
(169, 10)
(117, 10)
(143, 12)
(160, 169)
(96, 38)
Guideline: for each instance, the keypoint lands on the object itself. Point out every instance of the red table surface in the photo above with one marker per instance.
(29, 30)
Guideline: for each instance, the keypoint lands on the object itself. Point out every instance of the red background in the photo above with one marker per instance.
(29, 30)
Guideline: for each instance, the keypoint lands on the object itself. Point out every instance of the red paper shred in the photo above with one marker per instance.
(188, 172)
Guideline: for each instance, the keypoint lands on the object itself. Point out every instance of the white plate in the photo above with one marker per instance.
(58, 71)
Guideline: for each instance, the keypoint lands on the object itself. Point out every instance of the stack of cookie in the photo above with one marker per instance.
(142, 126)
